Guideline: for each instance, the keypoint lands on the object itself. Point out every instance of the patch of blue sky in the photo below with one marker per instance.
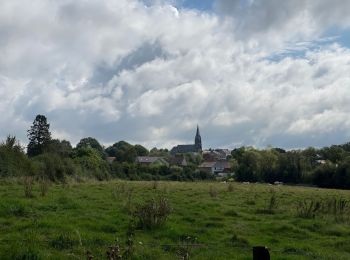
(202, 5)
(299, 49)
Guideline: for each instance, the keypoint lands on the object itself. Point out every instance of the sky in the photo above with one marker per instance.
(248, 72)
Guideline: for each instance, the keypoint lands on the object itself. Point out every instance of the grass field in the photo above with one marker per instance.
(208, 221)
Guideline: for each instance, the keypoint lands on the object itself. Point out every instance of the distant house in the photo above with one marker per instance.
(215, 167)
(178, 161)
(207, 167)
(216, 154)
(110, 159)
(189, 148)
(148, 160)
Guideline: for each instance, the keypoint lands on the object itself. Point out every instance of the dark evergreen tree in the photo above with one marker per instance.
(39, 136)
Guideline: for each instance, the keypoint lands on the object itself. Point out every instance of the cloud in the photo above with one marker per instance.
(150, 72)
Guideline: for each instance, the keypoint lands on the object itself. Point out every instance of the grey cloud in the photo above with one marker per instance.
(120, 70)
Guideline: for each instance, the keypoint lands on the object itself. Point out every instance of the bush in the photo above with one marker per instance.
(50, 166)
(153, 213)
(13, 161)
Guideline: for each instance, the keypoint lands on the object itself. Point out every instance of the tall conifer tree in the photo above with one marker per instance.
(39, 136)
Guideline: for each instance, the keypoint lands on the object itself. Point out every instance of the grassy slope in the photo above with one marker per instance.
(77, 217)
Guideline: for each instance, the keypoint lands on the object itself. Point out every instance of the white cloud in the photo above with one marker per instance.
(149, 73)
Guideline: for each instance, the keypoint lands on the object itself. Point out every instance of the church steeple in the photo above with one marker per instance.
(198, 140)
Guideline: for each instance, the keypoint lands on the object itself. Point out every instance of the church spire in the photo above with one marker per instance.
(198, 140)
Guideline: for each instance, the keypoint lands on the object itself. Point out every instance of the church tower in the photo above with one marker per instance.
(198, 140)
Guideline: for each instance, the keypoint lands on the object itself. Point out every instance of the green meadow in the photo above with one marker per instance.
(208, 220)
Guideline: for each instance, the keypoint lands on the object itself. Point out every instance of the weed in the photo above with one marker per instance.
(237, 241)
(18, 210)
(63, 241)
(271, 204)
(153, 213)
(185, 245)
(335, 206)
(308, 208)
(43, 186)
(128, 202)
(154, 185)
(28, 182)
(230, 187)
(213, 192)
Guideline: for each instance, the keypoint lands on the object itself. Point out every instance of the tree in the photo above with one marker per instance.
(91, 142)
(39, 136)
(62, 148)
(13, 161)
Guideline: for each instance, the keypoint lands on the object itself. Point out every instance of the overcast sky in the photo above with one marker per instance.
(248, 72)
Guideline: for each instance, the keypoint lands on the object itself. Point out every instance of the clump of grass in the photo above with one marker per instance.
(335, 206)
(44, 186)
(271, 204)
(186, 244)
(28, 183)
(308, 208)
(18, 210)
(154, 185)
(63, 241)
(231, 213)
(153, 213)
(230, 187)
(213, 192)
(128, 202)
(237, 241)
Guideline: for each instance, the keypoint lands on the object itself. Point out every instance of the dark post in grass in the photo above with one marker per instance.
(261, 253)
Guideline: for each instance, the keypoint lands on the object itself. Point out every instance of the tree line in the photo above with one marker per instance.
(57, 160)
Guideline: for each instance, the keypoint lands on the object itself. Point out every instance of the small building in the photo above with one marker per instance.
(215, 167)
(110, 159)
(207, 167)
(178, 161)
(148, 160)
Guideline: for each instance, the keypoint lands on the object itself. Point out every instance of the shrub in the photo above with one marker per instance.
(153, 213)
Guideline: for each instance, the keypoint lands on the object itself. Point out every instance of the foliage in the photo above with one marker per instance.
(91, 163)
(62, 148)
(90, 142)
(39, 136)
(13, 161)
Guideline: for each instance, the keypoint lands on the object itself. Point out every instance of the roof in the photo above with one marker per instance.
(207, 164)
(223, 164)
(184, 148)
(177, 160)
(147, 159)
(110, 159)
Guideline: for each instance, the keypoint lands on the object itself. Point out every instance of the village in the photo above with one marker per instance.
(211, 161)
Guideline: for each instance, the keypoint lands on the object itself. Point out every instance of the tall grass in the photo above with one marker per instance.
(28, 182)
(153, 213)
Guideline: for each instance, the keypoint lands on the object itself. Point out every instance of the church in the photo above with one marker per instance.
(189, 148)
